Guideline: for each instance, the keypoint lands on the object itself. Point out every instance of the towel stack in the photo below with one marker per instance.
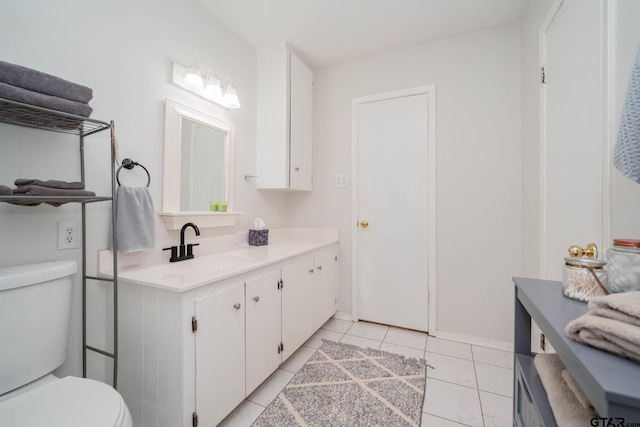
(569, 405)
(38, 188)
(33, 87)
(611, 324)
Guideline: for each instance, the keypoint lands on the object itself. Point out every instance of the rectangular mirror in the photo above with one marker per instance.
(198, 163)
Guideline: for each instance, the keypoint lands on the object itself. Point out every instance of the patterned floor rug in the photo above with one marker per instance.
(345, 385)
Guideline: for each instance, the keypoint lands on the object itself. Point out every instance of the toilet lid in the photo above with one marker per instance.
(68, 402)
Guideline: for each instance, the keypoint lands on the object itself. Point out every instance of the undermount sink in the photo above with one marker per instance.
(187, 273)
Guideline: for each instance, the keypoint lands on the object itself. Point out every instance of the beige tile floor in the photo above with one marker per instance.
(467, 385)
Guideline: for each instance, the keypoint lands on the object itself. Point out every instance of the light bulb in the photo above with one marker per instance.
(230, 95)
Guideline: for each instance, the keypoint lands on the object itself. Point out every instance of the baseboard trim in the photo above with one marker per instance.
(343, 316)
(470, 339)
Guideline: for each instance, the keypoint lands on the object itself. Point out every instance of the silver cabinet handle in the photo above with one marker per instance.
(319, 267)
(237, 306)
(311, 270)
(256, 298)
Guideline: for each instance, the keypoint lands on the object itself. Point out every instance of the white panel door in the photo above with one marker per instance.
(220, 374)
(392, 138)
(573, 180)
(263, 317)
(298, 314)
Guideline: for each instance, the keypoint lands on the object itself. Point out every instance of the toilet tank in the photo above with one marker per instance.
(35, 302)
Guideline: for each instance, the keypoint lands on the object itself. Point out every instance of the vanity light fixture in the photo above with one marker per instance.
(190, 78)
(230, 94)
(212, 89)
(193, 76)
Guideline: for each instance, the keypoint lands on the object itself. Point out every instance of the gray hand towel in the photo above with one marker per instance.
(38, 99)
(5, 191)
(624, 307)
(626, 155)
(565, 406)
(575, 389)
(37, 81)
(135, 219)
(52, 183)
(606, 334)
(37, 191)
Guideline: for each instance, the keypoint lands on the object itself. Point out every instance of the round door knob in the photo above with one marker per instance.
(297, 168)
(364, 223)
(319, 267)
(256, 298)
(237, 306)
(311, 270)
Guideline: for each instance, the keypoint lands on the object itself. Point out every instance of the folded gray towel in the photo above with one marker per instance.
(52, 183)
(624, 307)
(25, 96)
(626, 154)
(575, 389)
(5, 191)
(135, 220)
(565, 406)
(35, 190)
(606, 334)
(24, 116)
(37, 81)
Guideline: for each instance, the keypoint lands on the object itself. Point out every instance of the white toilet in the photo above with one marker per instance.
(35, 302)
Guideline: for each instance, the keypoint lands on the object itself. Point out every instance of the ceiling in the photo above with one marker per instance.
(326, 32)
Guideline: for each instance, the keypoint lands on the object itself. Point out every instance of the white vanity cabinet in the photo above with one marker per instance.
(298, 310)
(263, 328)
(324, 285)
(219, 353)
(196, 354)
(285, 92)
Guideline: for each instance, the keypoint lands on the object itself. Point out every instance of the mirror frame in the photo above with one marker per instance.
(171, 214)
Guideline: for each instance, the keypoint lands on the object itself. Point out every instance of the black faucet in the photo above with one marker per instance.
(188, 254)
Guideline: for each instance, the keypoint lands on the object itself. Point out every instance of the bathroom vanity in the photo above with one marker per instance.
(199, 336)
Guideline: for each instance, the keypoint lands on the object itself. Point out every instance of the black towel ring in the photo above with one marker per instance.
(129, 164)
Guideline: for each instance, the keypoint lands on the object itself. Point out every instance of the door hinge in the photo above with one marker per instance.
(543, 75)
(194, 420)
(194, 324)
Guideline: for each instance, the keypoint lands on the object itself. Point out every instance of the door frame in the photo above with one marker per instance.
(430, 91)
(608, 134)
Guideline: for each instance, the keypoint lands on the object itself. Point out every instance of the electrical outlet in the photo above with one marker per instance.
(68, 235)
(342, 180)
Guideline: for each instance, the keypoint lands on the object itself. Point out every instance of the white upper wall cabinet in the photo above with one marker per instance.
(285, 87)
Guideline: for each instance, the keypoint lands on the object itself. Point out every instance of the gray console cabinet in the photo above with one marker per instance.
(611, 383)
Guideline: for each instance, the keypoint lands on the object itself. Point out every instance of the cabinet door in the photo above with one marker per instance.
(301, 80)
(324, 286)
(263, 317)
(220, 375)
(298, 313)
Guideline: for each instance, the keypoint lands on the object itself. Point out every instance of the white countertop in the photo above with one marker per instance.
(217, 258)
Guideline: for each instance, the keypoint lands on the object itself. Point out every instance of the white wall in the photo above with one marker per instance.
(123, 50)
(477, 78)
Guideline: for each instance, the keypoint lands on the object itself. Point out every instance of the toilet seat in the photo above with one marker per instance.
(68, 402)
